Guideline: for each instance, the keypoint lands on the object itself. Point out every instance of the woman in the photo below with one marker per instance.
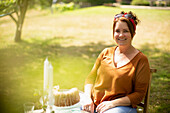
(120, 76)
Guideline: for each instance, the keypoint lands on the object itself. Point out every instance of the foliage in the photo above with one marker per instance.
(43, 4)
(100, 2)
(7, 6)
(125, 2)
(66, 1)
(140, 2)
(93, 2)
(65, 6)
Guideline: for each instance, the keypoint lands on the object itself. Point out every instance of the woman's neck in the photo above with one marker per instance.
(125, 49)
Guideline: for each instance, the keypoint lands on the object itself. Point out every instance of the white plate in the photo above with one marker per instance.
(77, 105)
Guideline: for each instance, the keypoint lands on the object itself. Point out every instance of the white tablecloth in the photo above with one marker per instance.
(41, 111)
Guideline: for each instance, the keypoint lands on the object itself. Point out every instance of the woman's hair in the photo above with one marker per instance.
(130, 18)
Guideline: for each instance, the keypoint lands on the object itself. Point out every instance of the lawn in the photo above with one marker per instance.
(72, 41)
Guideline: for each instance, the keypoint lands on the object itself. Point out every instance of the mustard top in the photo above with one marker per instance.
(111, 82)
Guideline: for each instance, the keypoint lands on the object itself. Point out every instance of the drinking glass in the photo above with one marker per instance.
(29, 107)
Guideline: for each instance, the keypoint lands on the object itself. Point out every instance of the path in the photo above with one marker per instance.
(144, 7)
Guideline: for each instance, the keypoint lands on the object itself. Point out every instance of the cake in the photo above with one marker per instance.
(66, 97)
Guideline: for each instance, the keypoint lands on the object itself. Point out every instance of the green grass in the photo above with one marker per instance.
(72, 41)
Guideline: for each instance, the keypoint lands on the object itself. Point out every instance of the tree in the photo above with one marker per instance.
(20, 11)
(17, 7)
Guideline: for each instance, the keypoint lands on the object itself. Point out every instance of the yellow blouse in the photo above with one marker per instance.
(111, 82)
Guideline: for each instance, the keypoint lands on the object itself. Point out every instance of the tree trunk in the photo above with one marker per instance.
(18, 32)
(21, 16)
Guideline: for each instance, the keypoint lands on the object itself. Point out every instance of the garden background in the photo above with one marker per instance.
(72, 41)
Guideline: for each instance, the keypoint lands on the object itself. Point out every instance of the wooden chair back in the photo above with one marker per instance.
(145, 105)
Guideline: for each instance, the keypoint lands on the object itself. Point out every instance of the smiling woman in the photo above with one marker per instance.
(115, 66)
(123, 31)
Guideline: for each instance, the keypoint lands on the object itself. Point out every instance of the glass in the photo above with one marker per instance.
(123, 15)
(28, 107)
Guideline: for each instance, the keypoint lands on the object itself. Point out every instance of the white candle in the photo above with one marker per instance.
(50, 85)
(46, 72)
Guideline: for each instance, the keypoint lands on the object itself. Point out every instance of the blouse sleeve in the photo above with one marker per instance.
(92, 76)
(141, 79)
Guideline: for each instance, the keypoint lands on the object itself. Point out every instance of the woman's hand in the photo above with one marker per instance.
(105, 105)
(88, 106)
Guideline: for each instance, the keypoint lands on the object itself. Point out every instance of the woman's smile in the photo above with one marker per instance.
(121, 39)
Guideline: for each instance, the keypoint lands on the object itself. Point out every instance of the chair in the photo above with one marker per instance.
(145, 105)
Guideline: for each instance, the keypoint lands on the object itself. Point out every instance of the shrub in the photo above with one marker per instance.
(64, 6)
(100, 2)
(125, 2)
(140, 2)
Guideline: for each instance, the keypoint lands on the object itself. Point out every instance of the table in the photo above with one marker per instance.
(73, 109)
(41, 111)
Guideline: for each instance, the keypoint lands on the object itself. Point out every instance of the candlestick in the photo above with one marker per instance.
(50, 85)
(46, 68)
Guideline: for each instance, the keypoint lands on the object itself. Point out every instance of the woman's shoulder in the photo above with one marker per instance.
(109, 49)
(142, 56)
(106, 52)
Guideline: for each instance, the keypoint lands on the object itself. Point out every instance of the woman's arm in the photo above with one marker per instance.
(141, 82)
(89, 82)
(88, 89)
(124, 101)
(88, 103)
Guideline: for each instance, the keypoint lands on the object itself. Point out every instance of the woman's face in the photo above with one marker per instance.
(122, 35)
